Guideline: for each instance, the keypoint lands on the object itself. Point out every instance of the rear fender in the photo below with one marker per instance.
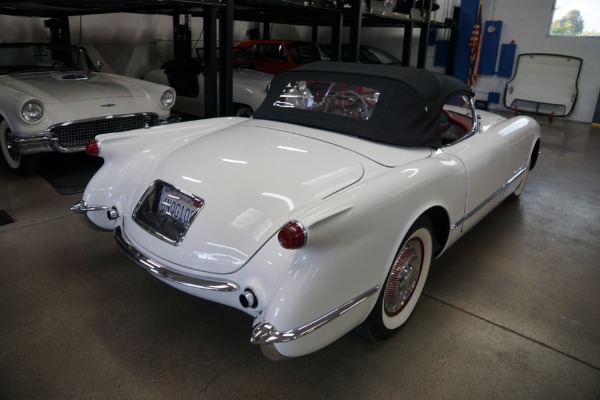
(130, 159)
(353, 238)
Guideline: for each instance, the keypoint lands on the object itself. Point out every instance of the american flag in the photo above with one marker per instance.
(474, 43)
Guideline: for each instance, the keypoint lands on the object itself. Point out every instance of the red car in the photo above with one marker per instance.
(274, 56)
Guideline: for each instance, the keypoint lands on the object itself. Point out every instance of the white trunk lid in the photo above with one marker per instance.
(249, 178)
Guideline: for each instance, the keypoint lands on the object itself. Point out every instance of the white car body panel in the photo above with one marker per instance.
(356, 198)
(440, 178)
(249, 88)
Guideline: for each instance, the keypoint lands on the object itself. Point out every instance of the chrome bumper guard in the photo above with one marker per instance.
(155, 268)
(39, 144)
(81, 207)
(265, 334)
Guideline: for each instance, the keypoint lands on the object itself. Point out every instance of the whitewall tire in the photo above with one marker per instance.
(14, 160)
(403, 285)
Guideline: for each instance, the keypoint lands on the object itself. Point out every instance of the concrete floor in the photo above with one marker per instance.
(512, 311)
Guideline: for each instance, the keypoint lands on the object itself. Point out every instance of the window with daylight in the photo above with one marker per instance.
(575, 18)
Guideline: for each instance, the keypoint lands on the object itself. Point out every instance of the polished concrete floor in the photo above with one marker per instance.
(512, 311)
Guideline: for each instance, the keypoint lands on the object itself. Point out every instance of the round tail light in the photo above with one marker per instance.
(292, 235)
(92, 148)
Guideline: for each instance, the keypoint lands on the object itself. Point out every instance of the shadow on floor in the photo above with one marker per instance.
(69, 173)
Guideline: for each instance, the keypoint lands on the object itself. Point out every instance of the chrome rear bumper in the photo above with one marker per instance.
(160, 271)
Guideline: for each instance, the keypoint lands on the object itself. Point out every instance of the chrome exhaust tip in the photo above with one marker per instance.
(248, 299)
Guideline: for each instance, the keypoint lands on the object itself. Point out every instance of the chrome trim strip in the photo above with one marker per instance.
(265, 333)
(160, 271)
(461, 221)
(81, 207)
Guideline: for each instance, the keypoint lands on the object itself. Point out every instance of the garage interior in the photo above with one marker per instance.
(512, 310)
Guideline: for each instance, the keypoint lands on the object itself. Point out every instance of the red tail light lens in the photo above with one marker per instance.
(92, 148)
(292, 235)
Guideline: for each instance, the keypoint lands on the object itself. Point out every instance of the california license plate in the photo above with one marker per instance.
(167, 212)
(177, 205)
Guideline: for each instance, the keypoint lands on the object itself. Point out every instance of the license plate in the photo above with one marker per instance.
(167, 212)
(177, 205)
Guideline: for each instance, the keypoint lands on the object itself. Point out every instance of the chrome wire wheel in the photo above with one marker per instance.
(403, 278)
(407, 277)
(404, 283)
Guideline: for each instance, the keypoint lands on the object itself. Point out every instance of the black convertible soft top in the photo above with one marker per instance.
(408, 106)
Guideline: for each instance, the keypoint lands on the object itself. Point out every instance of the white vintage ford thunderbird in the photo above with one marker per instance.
(323, 212)
(249, 87)
(52, 98)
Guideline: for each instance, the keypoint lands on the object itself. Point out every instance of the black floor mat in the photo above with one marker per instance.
(5, 219)
(69, 173)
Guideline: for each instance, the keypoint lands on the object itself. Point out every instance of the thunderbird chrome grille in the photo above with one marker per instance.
(78, 133)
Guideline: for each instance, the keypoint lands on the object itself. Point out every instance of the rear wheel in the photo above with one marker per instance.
(403, 285)
(242, 110)
(14, 160)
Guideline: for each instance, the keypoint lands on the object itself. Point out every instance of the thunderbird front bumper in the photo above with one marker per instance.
(71, 137)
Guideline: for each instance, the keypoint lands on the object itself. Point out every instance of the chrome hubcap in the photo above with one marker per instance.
(404, 277)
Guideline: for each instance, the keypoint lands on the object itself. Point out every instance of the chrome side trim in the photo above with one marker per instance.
(517, 174)
(81, 207)
(265, 333)
(155, 268)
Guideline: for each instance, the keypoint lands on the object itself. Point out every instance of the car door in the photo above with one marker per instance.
(486, 162)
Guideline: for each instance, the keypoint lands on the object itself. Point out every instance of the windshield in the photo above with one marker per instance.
(43, 57)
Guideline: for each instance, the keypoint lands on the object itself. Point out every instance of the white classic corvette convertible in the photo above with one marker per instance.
(52, 98)
(320, 214)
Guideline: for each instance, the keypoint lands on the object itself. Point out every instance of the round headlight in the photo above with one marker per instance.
(167, 99)
(32, 111)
